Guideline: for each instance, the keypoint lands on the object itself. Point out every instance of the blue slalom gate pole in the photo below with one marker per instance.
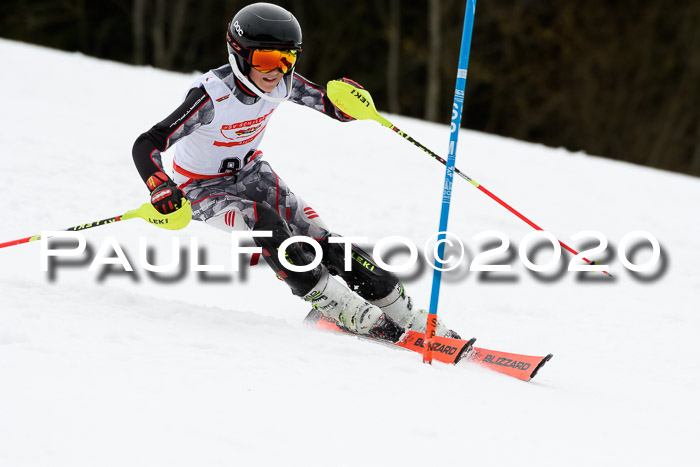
(449, 175)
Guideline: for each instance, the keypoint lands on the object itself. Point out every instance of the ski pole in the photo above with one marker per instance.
(174, 221)
(358, 104)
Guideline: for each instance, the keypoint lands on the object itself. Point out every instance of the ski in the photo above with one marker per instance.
(447, 350)
(523, 367)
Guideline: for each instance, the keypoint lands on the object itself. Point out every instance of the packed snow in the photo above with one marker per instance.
(115, 368)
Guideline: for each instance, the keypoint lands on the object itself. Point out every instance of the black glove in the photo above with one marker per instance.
(165, 195)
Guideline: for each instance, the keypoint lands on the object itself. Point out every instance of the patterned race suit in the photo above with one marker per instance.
(218, 128)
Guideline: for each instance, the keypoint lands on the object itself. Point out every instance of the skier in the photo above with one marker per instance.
(218, 168)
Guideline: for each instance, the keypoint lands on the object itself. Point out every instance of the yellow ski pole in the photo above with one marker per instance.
(174, 221)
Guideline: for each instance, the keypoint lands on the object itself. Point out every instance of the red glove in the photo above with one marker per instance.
(165, 195)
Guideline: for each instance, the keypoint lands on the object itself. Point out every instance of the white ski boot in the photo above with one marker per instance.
(351, 311)
(398, 306)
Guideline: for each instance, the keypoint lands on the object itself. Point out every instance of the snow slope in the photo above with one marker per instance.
(117, 369)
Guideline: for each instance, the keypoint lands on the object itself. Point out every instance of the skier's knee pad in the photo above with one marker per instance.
(369, 280)
(268, 219)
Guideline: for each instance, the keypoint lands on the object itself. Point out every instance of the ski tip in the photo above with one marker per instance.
(465, 349)
(540, 365)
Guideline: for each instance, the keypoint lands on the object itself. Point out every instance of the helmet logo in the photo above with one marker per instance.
(239, 30)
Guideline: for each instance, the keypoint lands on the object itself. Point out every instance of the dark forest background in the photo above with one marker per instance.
(619, 79)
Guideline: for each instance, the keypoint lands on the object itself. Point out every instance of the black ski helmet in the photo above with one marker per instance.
(261, 26)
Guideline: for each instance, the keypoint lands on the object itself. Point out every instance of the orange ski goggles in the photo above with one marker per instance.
(266, 60)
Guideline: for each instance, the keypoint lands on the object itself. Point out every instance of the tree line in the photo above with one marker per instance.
(615, 79)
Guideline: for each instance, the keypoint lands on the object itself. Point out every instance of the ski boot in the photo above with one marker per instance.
(352, 312)
(398, 306)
